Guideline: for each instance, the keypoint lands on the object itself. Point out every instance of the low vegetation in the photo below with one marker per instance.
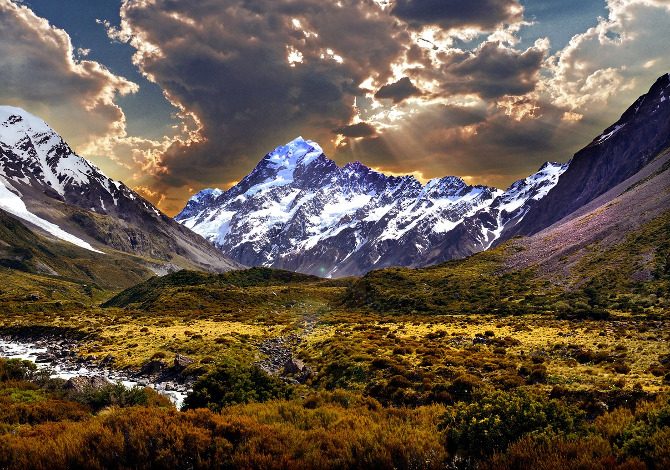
(463, 365)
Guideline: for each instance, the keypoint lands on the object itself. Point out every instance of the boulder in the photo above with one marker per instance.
(294, 366)
(181, 362)
(45, 358)
(153, 367)
(81, 383)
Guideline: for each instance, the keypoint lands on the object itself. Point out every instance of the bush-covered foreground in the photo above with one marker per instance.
(44, 426)
(466, 365)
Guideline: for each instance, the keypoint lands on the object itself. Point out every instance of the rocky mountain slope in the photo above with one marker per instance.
(298, 210)
(29, 264)
(611, 233)
(618, 153)
(62, 196)
(611, 254)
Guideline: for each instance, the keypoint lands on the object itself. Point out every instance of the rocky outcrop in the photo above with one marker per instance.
(82, 383)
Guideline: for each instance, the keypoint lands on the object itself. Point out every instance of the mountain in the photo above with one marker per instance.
(62, 196)
(598, 241)
(611, 254)
(298, 210)
(618, 153)
(30, 264)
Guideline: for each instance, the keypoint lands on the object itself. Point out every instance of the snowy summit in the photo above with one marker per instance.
(298, 210)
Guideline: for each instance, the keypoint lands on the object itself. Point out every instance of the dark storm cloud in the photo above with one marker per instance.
(361, 129)
(484, 143)
(493, 71)
(457, 116)
(258, 73)
(503, 148)
(448, 14)
(398, 91)
(226, 62)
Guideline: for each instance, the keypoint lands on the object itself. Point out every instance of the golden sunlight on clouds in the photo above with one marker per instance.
(572, 116)
(150, 195)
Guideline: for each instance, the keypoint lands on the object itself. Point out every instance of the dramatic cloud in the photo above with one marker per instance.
(252, 75)
(614, 61)
(493, 70)
(38, 71)
(425, 87)
(256, 74)
(461, 116)
(398, 91)
(514, 109)
(485, 15)
(361, 129)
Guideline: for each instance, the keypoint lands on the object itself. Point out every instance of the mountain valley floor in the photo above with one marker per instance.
(463, 365)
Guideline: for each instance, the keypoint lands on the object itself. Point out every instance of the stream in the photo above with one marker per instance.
(66, 368)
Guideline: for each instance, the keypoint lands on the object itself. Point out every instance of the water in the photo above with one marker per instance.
(12, 349)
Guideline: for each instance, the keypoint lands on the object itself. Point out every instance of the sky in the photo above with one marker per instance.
(173, 96)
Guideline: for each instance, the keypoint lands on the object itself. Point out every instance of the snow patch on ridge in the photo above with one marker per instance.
(13, 204)
(606, 136)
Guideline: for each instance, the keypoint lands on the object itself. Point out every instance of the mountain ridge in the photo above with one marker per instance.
(58, 193)
(319, 218)
(620, 151)
(322, 219)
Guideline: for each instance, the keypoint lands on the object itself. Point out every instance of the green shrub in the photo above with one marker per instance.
(494, 421)
(118, 395)
(231, 383)
(648, 437)
(17, 369)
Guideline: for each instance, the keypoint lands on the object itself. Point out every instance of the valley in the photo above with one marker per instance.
(508, 343)
(314, 371)
(334, 235)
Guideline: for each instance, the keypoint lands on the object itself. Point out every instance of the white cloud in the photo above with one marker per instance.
(40, 72)
(615, 61)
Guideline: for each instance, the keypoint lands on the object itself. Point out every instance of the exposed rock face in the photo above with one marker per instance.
(298, 210)
(617, 154)
(45, 183)
(294, 366)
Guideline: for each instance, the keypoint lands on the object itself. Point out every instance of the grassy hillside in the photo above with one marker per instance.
(628, 276)
(22, 249)
(198, 287)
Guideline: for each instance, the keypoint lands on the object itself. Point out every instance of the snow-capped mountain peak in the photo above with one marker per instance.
(22, 122)
(46, 156)
(298, 210)
(297, 152)
(62, 195)
(208, 193)
(32, 154)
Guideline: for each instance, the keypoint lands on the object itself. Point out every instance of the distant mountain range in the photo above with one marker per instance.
(63, 197)
(297, 210)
